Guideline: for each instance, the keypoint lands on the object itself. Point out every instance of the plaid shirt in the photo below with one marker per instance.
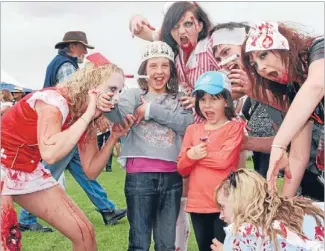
(64, 72)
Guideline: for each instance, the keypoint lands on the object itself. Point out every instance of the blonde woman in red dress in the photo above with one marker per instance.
(46, 125)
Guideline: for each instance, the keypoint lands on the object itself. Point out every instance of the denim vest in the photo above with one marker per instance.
(54, 66)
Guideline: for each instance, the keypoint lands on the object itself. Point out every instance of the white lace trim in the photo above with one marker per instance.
(50, 97)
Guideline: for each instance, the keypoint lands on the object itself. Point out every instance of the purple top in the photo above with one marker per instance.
(145, 165)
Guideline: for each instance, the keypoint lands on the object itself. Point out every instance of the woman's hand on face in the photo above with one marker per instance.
(187, 102)
(91, 108)
(197, 152)
(137, 23)
(240, 82)
(140, 111)
(118, 130)
(104, 102)
(278, 160)
(216, 245)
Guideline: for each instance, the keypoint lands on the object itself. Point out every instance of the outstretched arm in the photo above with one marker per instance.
(141, 28)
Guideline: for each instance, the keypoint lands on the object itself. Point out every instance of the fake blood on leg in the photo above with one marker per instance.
(76, 217)
(10, 233)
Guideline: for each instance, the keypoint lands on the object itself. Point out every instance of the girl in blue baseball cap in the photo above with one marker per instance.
(210, 151)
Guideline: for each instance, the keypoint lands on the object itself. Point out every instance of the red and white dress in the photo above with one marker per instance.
(248, 238)
(21, 169)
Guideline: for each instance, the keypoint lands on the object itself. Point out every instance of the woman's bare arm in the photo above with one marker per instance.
(298, 159)
(54, 143)
(93, 160)
(303, 105)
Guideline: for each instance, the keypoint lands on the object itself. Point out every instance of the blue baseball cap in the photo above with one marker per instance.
(212, 82)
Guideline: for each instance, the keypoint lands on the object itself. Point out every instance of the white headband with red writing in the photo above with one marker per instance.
(266, 36)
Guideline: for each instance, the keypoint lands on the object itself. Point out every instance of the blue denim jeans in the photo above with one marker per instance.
(93, 189)
(101, 140)
(153, 202)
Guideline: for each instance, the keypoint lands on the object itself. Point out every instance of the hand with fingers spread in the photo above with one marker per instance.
(187, 102)
(216, 245)
(278, 160)
(140, 111)
(137, 23)
(240, 82)
(118, 130)
(104, 101)
(197, 152)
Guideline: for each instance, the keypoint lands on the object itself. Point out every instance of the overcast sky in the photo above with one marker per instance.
(29, 30)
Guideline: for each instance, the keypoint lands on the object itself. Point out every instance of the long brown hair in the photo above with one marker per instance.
(295, 60)
(6, 95)
(175, 13)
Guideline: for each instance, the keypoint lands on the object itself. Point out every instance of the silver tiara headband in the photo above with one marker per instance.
(157, 49)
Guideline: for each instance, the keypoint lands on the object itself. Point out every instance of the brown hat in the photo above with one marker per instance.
(74, 36)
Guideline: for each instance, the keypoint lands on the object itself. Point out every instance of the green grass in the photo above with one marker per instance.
(109, 238)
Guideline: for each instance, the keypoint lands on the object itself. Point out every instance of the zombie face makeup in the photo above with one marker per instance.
(228, 56)
(114, 85)
(227, 47)
(186, 32)
(263, 45)
(269, 65)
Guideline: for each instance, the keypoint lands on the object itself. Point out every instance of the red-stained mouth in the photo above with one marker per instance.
(184, 40)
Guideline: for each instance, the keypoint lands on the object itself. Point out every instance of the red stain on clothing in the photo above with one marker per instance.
(10, 233)
(45, 174)
(248, 229)
(284, 230)
(1, 185)
(319, 233)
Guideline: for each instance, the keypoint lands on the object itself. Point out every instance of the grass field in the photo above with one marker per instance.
(109, 238)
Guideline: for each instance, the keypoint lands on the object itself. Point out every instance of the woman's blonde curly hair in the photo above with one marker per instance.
(251, 203)
(75, 91)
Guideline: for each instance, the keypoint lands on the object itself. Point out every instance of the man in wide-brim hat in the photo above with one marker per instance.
(17, 93)
(71, 52)
(74, 37)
